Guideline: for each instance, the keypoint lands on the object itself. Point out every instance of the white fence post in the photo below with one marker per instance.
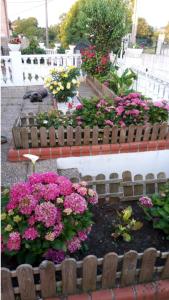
(16, 66)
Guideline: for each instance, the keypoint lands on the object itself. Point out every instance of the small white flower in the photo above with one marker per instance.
(45, 122)
(32, 157)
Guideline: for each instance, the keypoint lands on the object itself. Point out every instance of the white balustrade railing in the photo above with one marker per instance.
(18, 70)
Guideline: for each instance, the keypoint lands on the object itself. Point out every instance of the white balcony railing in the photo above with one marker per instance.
(19, 70)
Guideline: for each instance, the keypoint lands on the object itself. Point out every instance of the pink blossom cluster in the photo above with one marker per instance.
(146, 201)
(47, 203)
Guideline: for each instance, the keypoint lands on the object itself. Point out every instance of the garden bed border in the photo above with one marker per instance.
(99, 88)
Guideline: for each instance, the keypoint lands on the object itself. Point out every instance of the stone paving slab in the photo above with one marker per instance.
(12, 105)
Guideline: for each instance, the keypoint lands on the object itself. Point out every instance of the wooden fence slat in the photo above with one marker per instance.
(70, 136)
(122, 138)
(17, 137)
(114, 135)
(60, 134)
(138, 188)
(150, 186)
(34, 137)
(24, 137)
(78, 136)
(155, 132)
(127, 190)
(147, 133)
(165, 271)
(163, 131)
(131, 135)
(7, 292)
(87, 135)
(43, 137)
(139, 133)
(52, 137)
(47, 279)
(106, 134)
(69, 276)
(95, 135)
(26, 282)
(147, 266)
(110, 263)
(129, 268)
(100, 188)
(89, 273)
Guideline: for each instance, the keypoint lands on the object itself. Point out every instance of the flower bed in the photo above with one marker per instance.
(100, 121)
(110, 269)
(100, 89)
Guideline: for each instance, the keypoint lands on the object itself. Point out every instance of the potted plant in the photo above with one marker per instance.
(14, 44)
(62, 84)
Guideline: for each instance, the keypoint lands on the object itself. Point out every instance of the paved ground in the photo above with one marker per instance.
(12, 105)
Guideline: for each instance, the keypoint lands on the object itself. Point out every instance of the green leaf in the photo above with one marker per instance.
(137, 225)
(126, 237)
(127, 212)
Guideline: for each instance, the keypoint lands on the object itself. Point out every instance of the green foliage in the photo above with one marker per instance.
(54, 118)
(61, 50)
(102, 22)
(167, 33)
(120, 84)
(126, 224)
(158, 214)
(144, 29)
(33, 48)
(158, 114)
(28, 27)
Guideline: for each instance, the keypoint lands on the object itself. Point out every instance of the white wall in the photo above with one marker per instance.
(138, 163)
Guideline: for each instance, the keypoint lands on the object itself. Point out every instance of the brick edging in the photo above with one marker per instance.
(87, 150)
(151, 291)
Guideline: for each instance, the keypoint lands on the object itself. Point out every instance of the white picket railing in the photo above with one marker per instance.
(19, 70)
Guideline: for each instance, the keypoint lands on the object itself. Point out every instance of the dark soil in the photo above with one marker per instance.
(101, 242)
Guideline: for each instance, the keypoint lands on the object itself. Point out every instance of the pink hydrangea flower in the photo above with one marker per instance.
(30, 234)
(52, 191)
(119, 110)
(65, 185)
(146, 201)
(93, 200)
(14, 241)
(109, 122)
(79, 107)
(17, 192)
(58, 229)
(31, 220)
(82, 191)
(50, 177)
(76, 203)
(74, 244)
(46, 213)
(76, 186)
(27, 204)
(35, 178)
(82, 235)
(159, 104)
(38, 191)
(122, 124)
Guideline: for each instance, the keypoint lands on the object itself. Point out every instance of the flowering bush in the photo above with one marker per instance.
(46, 216)
(62, 83)
(121, 111)
(94, 62)
(156, 209)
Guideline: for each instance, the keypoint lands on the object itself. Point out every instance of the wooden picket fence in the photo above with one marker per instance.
(125, 188)
(71, 276)
(27, 134)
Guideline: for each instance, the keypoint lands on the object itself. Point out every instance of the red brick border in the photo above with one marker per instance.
(88, 150)
(151, 291)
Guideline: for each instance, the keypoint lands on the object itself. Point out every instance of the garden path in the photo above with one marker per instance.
(12, 104)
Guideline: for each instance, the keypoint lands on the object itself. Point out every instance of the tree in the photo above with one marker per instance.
(102, 22)
(167, 32)
(144, 30)
(28, 27)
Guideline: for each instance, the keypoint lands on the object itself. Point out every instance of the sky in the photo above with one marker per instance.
(156, 12)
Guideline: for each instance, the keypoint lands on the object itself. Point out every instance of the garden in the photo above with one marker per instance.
(61, 235)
